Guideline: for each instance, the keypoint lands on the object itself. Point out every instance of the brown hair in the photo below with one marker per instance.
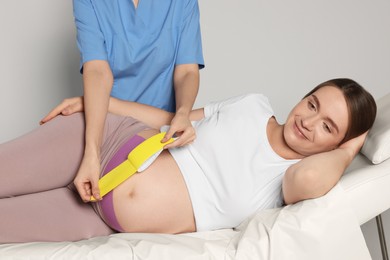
(361, 105)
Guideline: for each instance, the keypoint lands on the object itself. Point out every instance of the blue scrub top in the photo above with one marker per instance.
(142, 45)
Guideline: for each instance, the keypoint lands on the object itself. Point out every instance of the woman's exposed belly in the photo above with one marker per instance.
(155, 200)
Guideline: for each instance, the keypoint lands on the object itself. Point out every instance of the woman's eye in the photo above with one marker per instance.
(311, 106)
(327, 128)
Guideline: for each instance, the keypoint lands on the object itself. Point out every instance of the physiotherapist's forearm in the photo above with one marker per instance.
(186, 84)
(98, 80)
(152, 116)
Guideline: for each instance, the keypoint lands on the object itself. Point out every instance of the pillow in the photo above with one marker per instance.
(377, 145)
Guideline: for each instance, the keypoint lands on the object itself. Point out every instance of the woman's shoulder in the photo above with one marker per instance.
(255, 103)
(250, 102)
(252, 98)
(255, 96)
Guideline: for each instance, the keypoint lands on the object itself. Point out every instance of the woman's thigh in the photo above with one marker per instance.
(46, 158)
(49, 156)
(55, 215)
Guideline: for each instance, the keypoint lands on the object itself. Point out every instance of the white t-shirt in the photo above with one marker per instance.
(231, 170)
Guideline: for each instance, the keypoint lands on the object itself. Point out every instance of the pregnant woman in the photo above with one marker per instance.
(242, 161)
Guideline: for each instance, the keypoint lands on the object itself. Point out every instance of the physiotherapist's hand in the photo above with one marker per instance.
(87, 178)
(67, 107)
(182, 128)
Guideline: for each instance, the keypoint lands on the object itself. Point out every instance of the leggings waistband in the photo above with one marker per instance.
(105, 207)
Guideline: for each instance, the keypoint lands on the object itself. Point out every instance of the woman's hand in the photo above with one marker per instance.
(67, 107)
(181, 127)
(87, 178)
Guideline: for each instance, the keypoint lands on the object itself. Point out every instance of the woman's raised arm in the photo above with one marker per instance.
(315, 175)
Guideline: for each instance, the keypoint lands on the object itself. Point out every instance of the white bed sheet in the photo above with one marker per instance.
(323, 228)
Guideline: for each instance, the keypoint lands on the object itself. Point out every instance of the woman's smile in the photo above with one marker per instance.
(298, 131)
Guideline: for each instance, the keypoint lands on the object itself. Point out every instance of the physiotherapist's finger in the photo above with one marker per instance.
(185, 137)
(48, 117)
(180, 141)
(175, 143)
(82, 189)
(188, 139)
(71, 109)
(168, 134)
(55, 112)
(76, 105)
(87, 192)
(95, 189)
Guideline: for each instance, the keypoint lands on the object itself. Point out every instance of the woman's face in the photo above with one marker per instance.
(318, 123)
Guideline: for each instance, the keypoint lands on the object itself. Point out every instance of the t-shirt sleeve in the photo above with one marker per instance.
(215, 106)
(90, 39)
(248, 99)
(190, 44)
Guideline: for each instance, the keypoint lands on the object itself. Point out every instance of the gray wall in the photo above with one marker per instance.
(284, 48)
(39, 61)
(279, 48)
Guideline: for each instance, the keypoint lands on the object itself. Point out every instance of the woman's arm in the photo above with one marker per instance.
(315, 175)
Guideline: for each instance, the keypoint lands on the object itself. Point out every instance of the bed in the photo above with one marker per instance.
(323, 228)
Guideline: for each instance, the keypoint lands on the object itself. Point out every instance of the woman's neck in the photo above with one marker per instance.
(277, 141)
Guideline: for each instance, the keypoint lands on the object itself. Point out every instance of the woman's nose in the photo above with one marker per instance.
(308, 122)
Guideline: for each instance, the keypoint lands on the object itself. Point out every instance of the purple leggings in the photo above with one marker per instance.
(37, 201)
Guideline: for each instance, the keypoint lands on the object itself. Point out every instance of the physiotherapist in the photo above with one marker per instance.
(149, 51)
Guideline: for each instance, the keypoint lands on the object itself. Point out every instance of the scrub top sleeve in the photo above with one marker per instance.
(190, 44)
(90, 39)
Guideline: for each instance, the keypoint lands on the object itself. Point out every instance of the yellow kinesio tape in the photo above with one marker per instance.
(135, 160)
